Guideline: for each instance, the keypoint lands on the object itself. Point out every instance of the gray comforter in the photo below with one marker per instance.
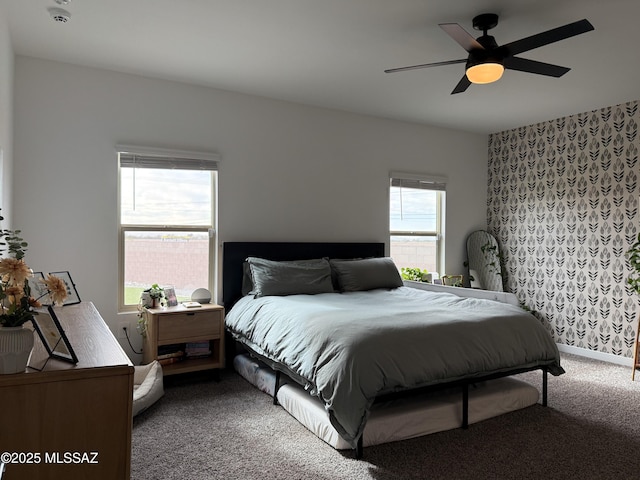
(347, 348)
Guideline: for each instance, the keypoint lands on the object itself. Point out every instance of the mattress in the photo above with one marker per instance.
(398, 419)
(350, 348)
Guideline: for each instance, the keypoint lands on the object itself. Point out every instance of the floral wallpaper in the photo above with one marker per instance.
(563, 203)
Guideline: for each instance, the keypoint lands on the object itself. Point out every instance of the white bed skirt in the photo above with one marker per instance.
(395, 420)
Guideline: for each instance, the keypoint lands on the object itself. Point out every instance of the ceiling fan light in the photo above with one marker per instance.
(485, 72)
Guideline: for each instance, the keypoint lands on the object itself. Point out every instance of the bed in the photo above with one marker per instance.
(374, 340)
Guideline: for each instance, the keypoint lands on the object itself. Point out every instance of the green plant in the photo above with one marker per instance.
(11, 241)
(415, 274)
(492, 254)
(495, 261)
(156, 292)
(633, 254)
(151, 297)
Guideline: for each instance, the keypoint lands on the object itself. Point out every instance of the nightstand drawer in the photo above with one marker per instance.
(188, 324)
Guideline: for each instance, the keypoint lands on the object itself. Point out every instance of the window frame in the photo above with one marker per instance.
(158, 156)
(423, 182)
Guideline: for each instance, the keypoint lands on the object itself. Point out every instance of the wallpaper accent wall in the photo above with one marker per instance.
(563, 204)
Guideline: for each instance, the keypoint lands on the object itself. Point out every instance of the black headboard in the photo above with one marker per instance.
(235, 253)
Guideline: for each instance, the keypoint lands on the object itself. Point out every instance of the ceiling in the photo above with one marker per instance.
(333, 53)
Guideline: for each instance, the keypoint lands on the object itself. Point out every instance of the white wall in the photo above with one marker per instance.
(6, 121)
(288, 172)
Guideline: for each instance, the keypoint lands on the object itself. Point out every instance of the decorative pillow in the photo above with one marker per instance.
(289, 278)
(366, 274)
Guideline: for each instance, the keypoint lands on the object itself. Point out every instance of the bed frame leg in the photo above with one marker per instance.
(465, 406)
(276, 387)
(545, 372)
(359, 447)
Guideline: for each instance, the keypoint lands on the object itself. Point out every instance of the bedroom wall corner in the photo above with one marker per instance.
(563, 203)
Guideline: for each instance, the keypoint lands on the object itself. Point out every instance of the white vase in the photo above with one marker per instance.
(16, 344)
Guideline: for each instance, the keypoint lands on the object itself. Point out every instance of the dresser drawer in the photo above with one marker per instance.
(189, 324)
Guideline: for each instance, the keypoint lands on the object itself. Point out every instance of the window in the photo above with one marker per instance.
(167, 218)
(416, 217)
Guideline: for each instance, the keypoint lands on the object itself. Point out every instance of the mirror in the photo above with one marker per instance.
(484, 261)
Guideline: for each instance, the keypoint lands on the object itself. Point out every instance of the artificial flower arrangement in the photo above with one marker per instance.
(16, 303)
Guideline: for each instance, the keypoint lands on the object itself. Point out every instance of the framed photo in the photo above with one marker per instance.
(170, 294)
(38, 289)
(72, 293)
(52, 335)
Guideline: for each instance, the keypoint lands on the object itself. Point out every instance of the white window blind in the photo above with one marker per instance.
(411, 180)
(143, 157)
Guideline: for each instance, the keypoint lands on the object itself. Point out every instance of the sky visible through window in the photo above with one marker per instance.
(413, 210)
(151, 196)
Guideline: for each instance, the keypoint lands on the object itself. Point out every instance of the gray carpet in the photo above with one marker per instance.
(203, 429)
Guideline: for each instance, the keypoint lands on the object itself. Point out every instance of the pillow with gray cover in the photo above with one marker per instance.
(366, 274)
(295, 277)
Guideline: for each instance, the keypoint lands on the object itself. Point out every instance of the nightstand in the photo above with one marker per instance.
(185, 339)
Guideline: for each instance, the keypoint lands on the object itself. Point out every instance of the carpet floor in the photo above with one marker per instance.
(227, 429)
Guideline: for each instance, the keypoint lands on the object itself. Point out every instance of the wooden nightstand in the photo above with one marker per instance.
(179, 329)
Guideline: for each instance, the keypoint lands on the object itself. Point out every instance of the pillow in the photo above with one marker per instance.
(366, 274)
(289, 278)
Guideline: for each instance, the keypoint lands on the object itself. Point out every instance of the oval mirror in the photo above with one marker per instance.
(484, 261)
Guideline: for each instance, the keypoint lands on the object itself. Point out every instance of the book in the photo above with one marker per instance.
(170, 355)
(191, 304)
(169, 361)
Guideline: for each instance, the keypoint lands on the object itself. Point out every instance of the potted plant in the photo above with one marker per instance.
(152, 297)
(415, 274)
(633, 281)
(16, 303)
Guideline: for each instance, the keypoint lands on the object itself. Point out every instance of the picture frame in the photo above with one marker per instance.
(170, 295)
(38, 289)
(72, 293)
(50, 331)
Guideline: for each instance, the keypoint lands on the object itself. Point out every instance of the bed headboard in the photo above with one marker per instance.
(235, 253)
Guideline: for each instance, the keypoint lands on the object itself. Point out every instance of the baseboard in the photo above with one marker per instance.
(605, 357)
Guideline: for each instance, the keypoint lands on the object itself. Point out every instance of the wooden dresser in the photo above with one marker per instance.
(66, 414)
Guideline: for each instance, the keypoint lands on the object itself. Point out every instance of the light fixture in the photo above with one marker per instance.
(488, 72)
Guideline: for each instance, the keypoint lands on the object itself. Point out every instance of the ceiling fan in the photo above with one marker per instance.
(487, 60)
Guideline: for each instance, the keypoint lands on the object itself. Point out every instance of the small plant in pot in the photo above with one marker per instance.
(152, 297)
(156, 292)
(415, 274)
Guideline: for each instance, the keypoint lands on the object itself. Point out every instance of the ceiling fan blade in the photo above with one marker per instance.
(462, 85)
(533, 66)
(461, 36)
(425, 65)
(550, 36)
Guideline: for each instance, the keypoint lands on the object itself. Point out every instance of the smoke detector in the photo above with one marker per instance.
(59, 15)
(63, 2)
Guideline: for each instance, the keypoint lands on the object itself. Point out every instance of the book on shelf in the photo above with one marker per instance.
(199, 354)
(198, 349)
(172, 348)
(164, 356)
(169, 361)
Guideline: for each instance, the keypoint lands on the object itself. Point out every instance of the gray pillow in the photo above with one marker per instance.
(289, 278)
(366, 274)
